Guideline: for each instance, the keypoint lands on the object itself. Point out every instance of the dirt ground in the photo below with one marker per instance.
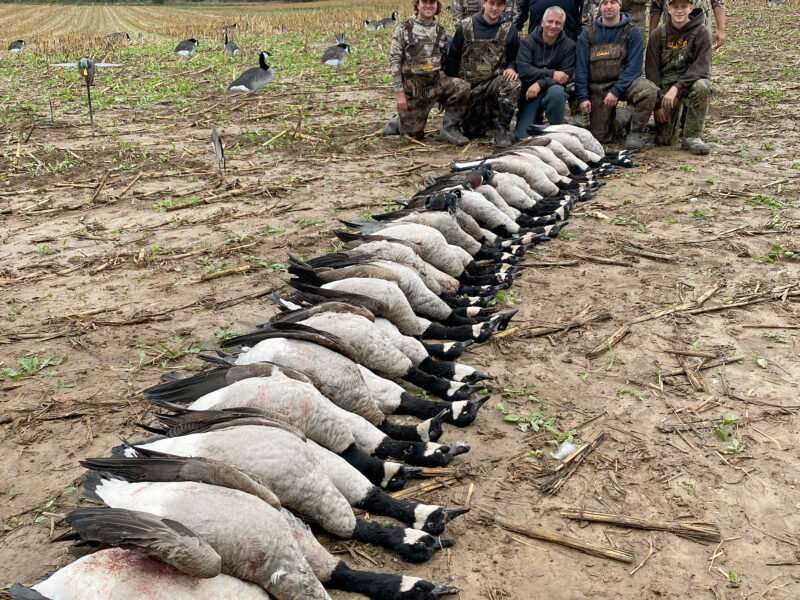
(112, 274)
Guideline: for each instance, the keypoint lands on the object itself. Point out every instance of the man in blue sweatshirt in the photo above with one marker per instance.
(484, 53)
(608, 69)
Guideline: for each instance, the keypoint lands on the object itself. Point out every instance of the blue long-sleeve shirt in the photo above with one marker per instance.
(606, 35)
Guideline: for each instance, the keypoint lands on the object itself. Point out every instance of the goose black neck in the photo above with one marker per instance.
(371, 467)
(380, 503)
(460, 333)
(380, 586)
(418, 407)
(400, 432)
(426, 381)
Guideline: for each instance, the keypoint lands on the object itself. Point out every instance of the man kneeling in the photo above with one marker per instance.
(679, 63)
(415, 62)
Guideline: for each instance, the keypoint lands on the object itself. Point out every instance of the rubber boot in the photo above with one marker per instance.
(392, 126)
(623, 118)
(450, 132)
(502, 136)
(695, 145)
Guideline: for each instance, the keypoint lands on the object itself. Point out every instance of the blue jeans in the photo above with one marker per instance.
(552, 103)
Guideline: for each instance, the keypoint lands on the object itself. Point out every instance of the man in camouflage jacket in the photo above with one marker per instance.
(463, 9)
(484, 53)
(415, 58)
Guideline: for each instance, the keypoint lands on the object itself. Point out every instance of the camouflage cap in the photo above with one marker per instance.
(689, 1)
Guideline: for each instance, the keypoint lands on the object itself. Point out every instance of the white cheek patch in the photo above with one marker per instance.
(413, 536)
(424, 431)
(421, 514)
(390, 469)
(506, 256)
(473, 311)
(476, 329)
(431, 448)
(462, 371)
(448, 346)
(407, 583)
(454, 387)
(458, 408)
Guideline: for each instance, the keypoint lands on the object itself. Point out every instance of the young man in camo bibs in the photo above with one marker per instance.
(679, 63)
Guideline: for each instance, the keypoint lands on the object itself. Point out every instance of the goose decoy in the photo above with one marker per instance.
(372, 26)
(87, 68)
(16, 46)
(335, 56)
(186, 47)
(255, 78)
(284, 29)
(118, 36)
(219, 150)
(389, 21)
(231, 49)
(232, 26)
(187, 566)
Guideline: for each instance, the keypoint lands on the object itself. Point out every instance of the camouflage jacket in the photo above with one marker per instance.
(708, 6)
(424, 34)
(463, 9)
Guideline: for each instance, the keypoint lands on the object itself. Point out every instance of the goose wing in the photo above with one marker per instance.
(164, 539)
(333, 53)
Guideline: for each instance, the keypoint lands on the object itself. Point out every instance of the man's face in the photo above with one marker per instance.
(427, 9)
(552, 24)
(609, 9)
(679, 11)
(492, 9)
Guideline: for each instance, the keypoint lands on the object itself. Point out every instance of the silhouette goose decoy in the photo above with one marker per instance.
(87, 68)
(186, 47)
(255, 78)
(219, 150)
(284, 29)
(372, 25)
(16, 46)
(231, 49)
(335, 56)
(389, 21)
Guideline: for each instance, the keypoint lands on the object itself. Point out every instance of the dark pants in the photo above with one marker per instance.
(450, 91)
(696, 99)
(640, 96)
(551, 103)
(490, 103)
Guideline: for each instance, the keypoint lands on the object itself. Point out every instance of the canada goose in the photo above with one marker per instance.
(140, 484)
(289, 393)
(299, 472)
(87, 69)
(231, 49)
(389, 21)
(587, 139)
(372, 26)
(118, 37)
(255, 78)
(219, 150)
(335, 56)
(256, 546)
(16, 46)
(186, 47)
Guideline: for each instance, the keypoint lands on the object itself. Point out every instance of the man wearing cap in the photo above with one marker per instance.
(463, 9)
(679, 63)
(546, 62)
(415, 56)
(484, 53)
(608, 69)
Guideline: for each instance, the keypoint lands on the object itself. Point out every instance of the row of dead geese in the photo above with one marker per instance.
(296, 420)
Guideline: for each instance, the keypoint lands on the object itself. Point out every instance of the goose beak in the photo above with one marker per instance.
(444, 590)
(413, 471)
(452, 513)
(479, 402)
(445, 542)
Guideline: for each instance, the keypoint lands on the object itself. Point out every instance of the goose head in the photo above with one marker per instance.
(432, 519)
(414, 588)
(464, 412)
(262, 60)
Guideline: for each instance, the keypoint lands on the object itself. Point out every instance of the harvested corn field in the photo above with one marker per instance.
(658, 332)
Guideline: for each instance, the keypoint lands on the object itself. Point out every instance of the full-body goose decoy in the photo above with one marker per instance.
(16, 46)
(186, 47)
(87, 68)
(389, 22)
(255, 78)
(330, 509)
(335, 56)
(231, 49)
(372, 26)
(187, 567)
(118, 36)
(255, 542)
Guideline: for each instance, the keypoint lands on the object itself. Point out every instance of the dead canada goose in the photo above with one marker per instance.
(284, 391)
(335, 56)
(255, 78)
(186, 47)
(140, 484)
(256, 544)
(231, 49)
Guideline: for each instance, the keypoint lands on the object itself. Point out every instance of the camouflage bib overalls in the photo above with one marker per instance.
(676, 58)
(482, 65)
